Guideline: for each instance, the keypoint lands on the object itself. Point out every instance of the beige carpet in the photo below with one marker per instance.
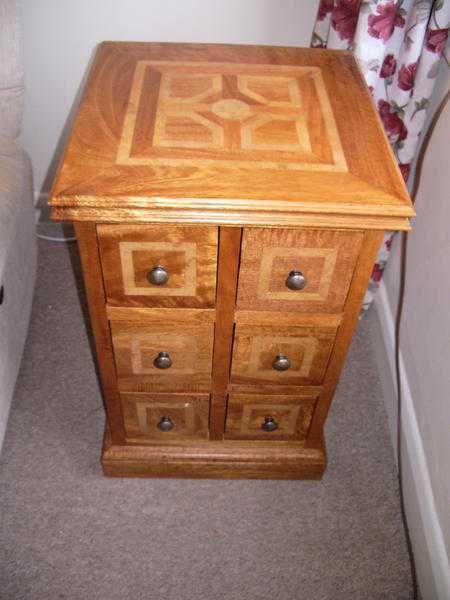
(68, 532)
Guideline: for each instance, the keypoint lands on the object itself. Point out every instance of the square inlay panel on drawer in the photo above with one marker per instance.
(165, 418)
(324, 261)
(261, 417)
(172, 356)
(159, 266)
(283, 355)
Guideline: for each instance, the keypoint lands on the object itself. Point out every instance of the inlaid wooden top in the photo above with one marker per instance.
(220, 133)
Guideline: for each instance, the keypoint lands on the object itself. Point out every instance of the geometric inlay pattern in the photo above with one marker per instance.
(143, 354)
(256, 348)
(276, 255)
(147, 421)
(188, 414)
(145, 412)
(131, 288)
(268, 116)
(246, 414)
(137, 344)
(301, 351)
(248, 417)
(129, 254)
(325, 257)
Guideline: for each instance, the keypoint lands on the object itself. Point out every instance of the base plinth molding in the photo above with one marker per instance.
(214, 460)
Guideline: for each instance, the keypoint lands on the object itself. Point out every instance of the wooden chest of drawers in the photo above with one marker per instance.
(229, 202)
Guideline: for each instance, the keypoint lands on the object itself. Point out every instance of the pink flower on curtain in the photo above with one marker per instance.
(382, 25)
(377, 272)
(436, 39)
(405, 170)
(406, 76)
(325, 7)
(388, 67)
(345, 17)
(388, 243)
(399, 63)
(394, 126)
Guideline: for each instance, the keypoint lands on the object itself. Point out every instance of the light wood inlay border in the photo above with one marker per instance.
(306, 347)
(189, 249)
(272, 254)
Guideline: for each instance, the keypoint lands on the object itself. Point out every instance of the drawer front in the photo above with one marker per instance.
(153, 356)
(261, 417)
(165, 418)
(288, 355)
(319, 262)
(159, 265)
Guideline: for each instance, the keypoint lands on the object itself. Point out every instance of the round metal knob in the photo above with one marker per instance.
(269, 424)
(165, 424)
(158, 275)
(296, 280)
(163, 361)
(281, 363)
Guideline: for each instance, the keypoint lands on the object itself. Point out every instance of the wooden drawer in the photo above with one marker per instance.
(326, 258)
(266, 417)
(256, 348)
(138, 345)
(188, 255)
(165, 418)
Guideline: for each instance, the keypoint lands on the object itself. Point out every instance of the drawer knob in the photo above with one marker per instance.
(281, 363)
(165, 424)
(158, 275)
(269, 424)
(296, 280)
(163, 361)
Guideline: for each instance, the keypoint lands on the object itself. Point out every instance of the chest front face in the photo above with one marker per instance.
(229, 203)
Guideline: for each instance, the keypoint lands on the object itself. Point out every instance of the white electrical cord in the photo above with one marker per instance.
(49, 238)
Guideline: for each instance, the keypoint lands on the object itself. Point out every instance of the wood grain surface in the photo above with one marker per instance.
(229, 166)
(246, 414)
(130, 252)
(228, 265)
(143, 412)
(230, 459)
(353, 305)
(95, 294)
(256, 347)
(235, 128)
(268, 317)
(326, 258)
(137, 344)
(207, 213)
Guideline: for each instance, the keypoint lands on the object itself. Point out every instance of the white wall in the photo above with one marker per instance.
(425, 352)
(426, 320)
(60, 36)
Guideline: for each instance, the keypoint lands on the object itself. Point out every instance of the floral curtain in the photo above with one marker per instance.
(398, 45)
